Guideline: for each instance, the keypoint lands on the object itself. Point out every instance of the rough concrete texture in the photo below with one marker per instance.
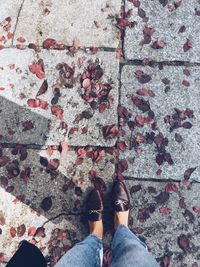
(69, 111)
(66, 20)
(61, 134)
(158, 210)
(52, 182)
(51, 238)
(160, 120)
(166, 218)
(9, 11)
(173, 25)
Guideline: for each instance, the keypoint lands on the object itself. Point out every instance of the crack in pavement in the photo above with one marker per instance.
(17, 21)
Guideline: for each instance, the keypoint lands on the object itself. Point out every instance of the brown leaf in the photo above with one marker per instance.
(187, 46)
(43, 88)
(46, 204)
(163, 2)
(188, 173)
(21, 230)
(183, 242)
(145, 92)
(187, 125)
(4, 160)
(2, 218)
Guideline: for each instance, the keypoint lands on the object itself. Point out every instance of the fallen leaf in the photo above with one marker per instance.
(187, 46)
(188, 173)
(21, 230)
(43, 88)
(46, 204)
(183, 242)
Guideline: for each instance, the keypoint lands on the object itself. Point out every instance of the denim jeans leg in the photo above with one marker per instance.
(129, 251)
(88, 253)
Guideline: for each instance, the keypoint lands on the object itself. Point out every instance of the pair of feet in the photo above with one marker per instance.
(121, 205)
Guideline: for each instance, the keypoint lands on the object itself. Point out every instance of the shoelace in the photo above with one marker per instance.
(95, 211)
(118, 202)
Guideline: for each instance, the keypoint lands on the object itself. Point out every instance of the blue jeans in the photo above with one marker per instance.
(127, 251)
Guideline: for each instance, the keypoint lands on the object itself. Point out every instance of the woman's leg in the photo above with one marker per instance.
(88, 253)
(129, 251)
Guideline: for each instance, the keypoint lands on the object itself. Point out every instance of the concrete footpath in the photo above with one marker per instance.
(91, 91)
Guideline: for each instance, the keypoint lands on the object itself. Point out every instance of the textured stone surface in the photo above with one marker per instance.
(52, 182)
(53, 239)
(167, 22)
(162, 213)
(9, 11)
(65, 21)
(19, 85)
(148, 115)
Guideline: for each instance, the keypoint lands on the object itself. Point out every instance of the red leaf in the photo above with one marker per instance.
(40, 232)
(187, 125)
(187, 46)
(196, 210)
(57, 111)
(53, 164)
(28, 125)
(145, 92)
(31, 231)
(142, 120)
(183, 242)
(186, 83)
(21, 230)
(164, 210)
(2, 257)
(43, 104)
(25, 174)
(165, 261)
(171, 187)
(79, 161)
(122, 23)
(86, 84)
(21, 39)
(135, 188)
(13, 231)
(158, 44)
(121, 145)
(32, 103)
(49, 43)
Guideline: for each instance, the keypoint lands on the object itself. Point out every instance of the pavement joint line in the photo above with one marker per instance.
(44, 147)
(62, 214)
(152, 63)
(161, 180)
(101, 48)
(17, 20)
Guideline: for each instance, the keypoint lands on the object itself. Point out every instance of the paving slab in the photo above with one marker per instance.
(65, 21)
(167, 218)
(51, 182)
(164, 215)
(9, 11)
(163, 30)
(159, 118)
(79, 108)
(20, 222)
